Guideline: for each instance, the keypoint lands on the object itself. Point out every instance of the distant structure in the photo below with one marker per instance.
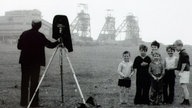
(80, 26)
(129, 26)
(108, 30)
(13, 23)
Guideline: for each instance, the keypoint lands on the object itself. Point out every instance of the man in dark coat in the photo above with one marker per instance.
(32, 44)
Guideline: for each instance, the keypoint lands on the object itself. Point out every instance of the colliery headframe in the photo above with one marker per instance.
(13, 23)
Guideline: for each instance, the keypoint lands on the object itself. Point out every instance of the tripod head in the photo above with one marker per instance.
(61, 31)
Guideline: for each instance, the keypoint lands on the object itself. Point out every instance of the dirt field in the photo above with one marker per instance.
(95, 67)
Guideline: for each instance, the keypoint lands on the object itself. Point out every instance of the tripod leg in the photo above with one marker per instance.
(43, 75)
(74, 75)
(61, 70)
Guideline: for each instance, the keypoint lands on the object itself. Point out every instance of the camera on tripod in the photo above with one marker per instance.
(61, 31)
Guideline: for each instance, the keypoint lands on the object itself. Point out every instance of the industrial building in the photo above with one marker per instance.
(13, 23)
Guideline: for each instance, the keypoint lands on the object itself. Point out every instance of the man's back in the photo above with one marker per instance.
(32, 45)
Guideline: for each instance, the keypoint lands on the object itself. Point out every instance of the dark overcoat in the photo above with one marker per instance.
(32, 44)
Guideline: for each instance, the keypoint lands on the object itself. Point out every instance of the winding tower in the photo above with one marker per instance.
(107, 32)
(80, 26)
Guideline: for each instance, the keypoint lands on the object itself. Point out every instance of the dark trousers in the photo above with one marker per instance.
(29, 82)
(168, 86)
(142, 91)
(156, 91)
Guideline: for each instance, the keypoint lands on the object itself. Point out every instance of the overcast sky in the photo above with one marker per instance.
(161, 20)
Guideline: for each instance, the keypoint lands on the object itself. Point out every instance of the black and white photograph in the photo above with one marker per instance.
(95, 54)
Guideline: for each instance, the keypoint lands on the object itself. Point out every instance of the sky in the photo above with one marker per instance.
(161, 20)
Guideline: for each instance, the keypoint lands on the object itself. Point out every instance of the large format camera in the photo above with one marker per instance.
(61, 30)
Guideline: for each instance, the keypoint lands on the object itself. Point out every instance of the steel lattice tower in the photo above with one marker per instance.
(130, 27)
(108, 30)
(80, 26)
(132, 31)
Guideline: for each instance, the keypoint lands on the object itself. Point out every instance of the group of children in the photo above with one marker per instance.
(155, 76)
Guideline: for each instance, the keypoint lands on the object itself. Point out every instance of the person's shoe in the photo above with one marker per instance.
(187, 102)
(165, 102)
(170, 102)
(183, 103)
(36, 105)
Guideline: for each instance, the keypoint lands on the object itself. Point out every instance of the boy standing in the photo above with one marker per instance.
(184, 70)
(124, 82)
(140, 66)
(156, 70)
(170, 64)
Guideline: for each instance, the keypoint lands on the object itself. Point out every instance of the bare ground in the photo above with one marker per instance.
(95, 67)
